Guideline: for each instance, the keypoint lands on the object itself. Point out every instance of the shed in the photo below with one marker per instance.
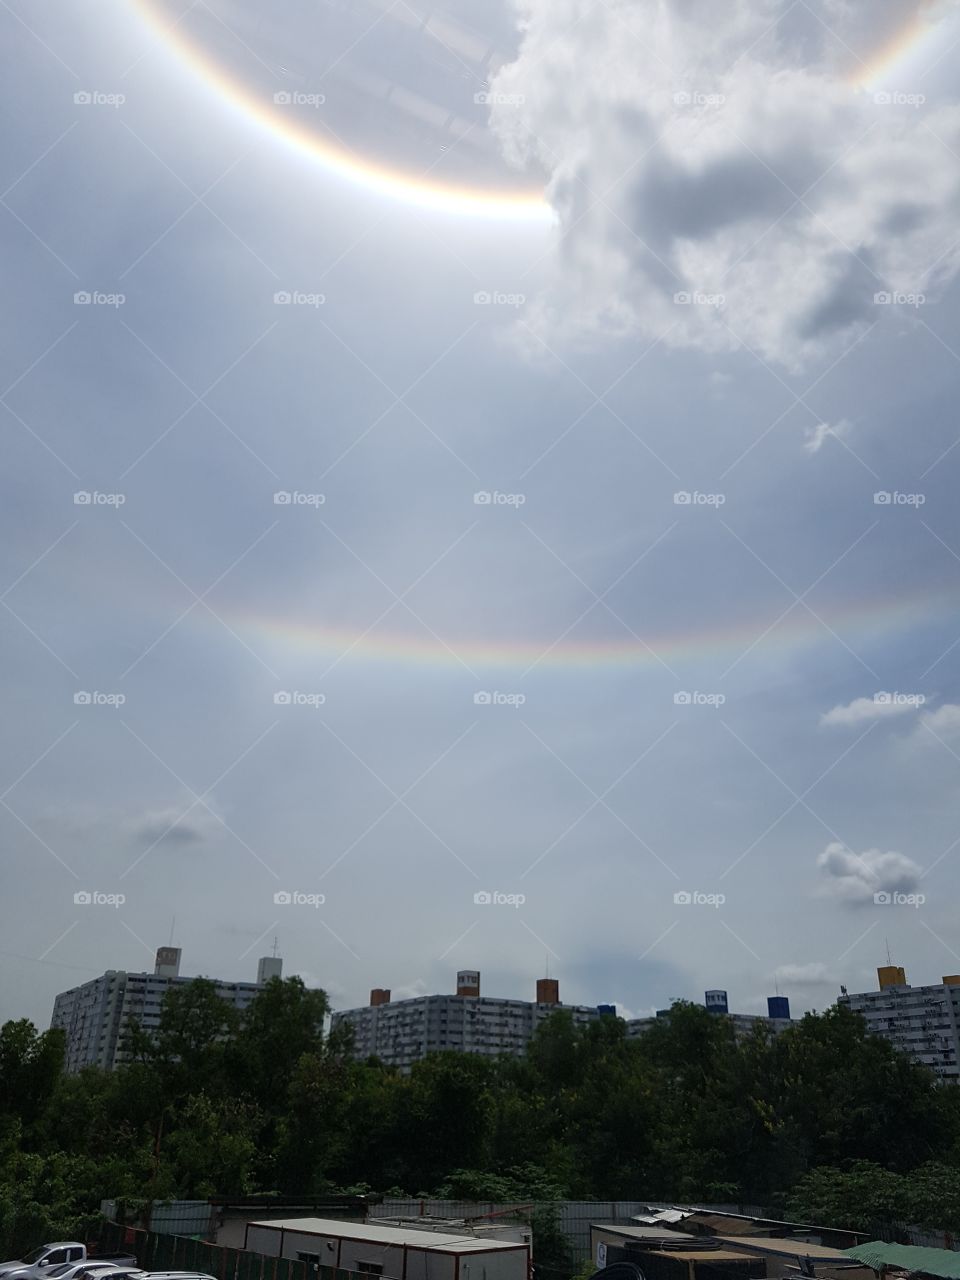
(396, 1253)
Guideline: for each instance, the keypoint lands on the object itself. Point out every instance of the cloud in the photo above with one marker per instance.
(881, 706)
(816, 437)
(171, 827)
(726, 183)
(856, 877)
(944, 722)
(813, 974)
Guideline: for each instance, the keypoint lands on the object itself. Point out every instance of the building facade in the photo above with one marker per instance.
(777, 1018)
(96, 1014)
(921, 1022)
(401, 1032)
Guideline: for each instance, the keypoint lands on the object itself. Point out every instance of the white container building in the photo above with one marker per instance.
(396, 1253)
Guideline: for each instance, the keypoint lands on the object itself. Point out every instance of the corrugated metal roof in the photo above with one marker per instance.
(908, 1257)
(388, 1235)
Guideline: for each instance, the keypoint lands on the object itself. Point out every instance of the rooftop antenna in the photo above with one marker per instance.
(274, 946)
(887, 941)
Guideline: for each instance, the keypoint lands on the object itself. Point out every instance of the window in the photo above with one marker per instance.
(371, 1268)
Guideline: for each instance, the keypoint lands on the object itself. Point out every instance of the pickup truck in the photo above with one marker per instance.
(38, 1264)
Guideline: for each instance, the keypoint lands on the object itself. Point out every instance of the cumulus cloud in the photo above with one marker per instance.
(816, 437)
(727, 182)
(856, 877)
(882, 706)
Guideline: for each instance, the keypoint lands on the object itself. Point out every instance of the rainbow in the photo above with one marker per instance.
(420, 191)
(338, 159)
(863, 622)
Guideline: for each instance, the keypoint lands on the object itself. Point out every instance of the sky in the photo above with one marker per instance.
(480, 492)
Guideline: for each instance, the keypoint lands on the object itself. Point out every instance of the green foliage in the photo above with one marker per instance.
(824, 1122)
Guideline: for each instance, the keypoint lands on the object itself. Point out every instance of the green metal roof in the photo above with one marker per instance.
(932, 1262)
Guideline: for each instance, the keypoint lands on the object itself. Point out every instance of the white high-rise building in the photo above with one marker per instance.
(400, 1032)
(96, 1014)
(922, 1022)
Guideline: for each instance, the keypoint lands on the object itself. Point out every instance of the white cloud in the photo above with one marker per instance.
(882, 706)
(816, 437)
(736, 162)
(813, 974)
(944, 722)
(173, 827)
(856, 877)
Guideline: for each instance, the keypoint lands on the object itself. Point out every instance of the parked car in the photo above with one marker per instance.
(38, 1264)
(88, 1270)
